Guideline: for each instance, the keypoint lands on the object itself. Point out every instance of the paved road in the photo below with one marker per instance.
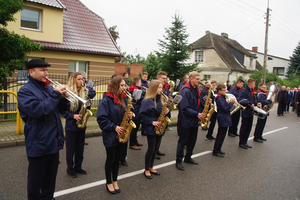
(268, 171)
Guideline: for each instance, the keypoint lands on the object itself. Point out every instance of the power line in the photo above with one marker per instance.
(285, 22)
(251, 6)
(248, 26)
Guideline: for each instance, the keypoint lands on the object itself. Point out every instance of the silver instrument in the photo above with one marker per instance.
(71, 96)
(260, 113)
(236, 105)
(274, 88)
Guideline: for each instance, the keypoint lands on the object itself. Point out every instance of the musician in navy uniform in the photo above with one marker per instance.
(189, 116)
(111, 110)
(40, 106)
(235, 117)
(260, 125)
(247, 94)
(224, 120)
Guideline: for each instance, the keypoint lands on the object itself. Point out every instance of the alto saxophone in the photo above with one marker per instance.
(84, 112)
(162, 117)
(127, 124)
(204, 122)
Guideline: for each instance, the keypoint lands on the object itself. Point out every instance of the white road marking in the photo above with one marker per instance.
(131, 174)
(123, 176)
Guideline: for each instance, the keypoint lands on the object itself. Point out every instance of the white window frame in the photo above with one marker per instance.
(77, 67)
(197, 56)
(39, 22)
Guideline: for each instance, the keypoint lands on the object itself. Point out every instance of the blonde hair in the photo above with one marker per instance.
(193, 74)
(71, 85)
(152, 92)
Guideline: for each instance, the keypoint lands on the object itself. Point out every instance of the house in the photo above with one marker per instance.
(74, 37)
(221, 58)
(275, 64)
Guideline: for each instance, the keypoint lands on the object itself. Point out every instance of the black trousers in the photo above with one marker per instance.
(133, 134)
(42, 176)
(287, 107)
(153, 145)
(187, 137)
(259, 128)
(212, 124)
(220, 139)
(74, 149)
(245, 129)
(235, 119)
(113, 155)
(280, 108)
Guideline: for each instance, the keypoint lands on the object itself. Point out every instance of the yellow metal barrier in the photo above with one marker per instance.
(97, 92)
(19, 129)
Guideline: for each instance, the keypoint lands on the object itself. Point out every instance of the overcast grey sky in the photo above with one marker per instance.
(141, 23)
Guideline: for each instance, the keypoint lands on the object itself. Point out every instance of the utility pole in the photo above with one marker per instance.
(266, 45)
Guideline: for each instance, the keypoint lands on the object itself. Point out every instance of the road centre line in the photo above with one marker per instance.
(131, 174)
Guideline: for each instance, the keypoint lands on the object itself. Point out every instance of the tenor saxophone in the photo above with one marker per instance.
(164, 121)
(127, 124)
(208, 112)
(84, 112)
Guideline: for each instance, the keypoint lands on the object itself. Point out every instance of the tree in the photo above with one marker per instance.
(152, 66)
(13, 47)
(257, 76)
(114, 33)
(173, 50)
(294, 66)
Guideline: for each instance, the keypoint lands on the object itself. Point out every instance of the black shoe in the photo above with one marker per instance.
(243, 146)
(143, 133)
(248, 146)
(263, 139)
(221, 152)
(160, 153)
(148, 177)
(205, 129)
(157, 157)
(72, 174)
(236, 134)
(111, 192)
(180, 166)
(191, 161)
(81, 171)
(212, 137)
(209, 138)
(257, 140)
(218, 155)
(124, 163)
(155, 173)
(231, 135)
(86, 143)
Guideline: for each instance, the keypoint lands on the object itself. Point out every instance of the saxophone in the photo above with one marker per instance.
(204, 122)
(84, 112)
(127, 124)
(162, 117)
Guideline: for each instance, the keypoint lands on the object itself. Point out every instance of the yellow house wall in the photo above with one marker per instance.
(51, 24)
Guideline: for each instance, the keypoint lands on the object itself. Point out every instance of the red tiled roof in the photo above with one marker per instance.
(83, 31)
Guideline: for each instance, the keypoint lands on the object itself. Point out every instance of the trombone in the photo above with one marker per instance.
(71, 96)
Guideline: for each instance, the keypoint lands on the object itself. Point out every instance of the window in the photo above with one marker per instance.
(207, 77)
(77, 66)
(278, 70)
(23, 74)
(198, 56)
(31, 19)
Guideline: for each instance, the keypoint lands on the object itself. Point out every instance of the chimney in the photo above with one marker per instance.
(224, 35)
(207, 32)
(254, 49)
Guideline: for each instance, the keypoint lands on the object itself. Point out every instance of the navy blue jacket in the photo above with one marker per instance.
(262, 98)
(250, 99)
(223, 114)
(181, 86)
(92, 92)
(109, 116)
(235, 91)
(136, 104)
(290, 96)
(148, 113)
(189, 107)
(70, 121)
(144, 83)
(204, 93)
(40, 107)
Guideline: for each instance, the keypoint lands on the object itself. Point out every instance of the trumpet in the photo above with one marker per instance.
(71, 96)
